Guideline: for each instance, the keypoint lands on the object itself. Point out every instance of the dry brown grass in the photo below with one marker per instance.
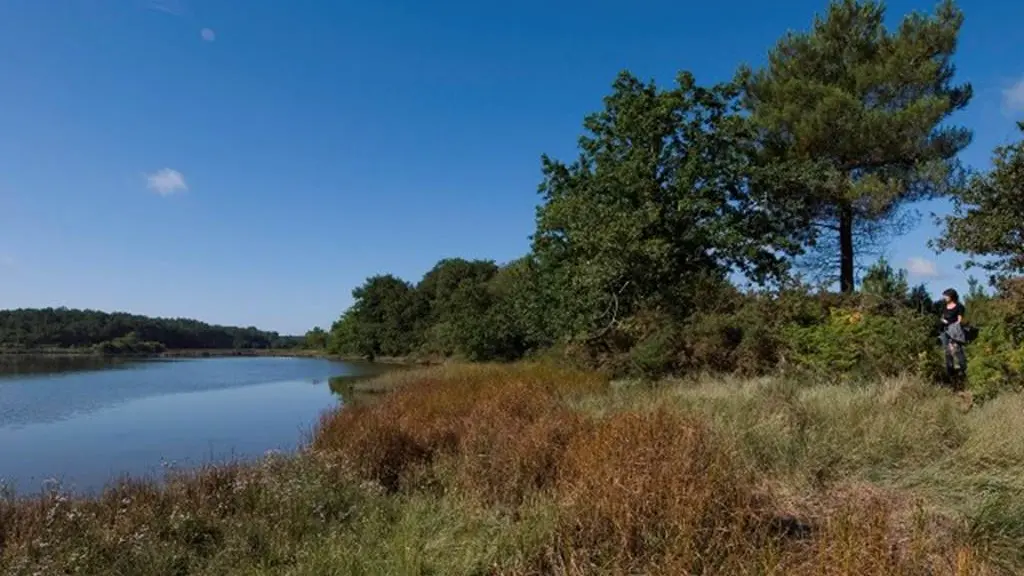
(655, 492)
(636, 490)
(501, 438)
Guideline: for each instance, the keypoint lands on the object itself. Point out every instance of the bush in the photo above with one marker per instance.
(995, 358)
(852, 343)
(747, 334)
(656, 354)
(995, 362)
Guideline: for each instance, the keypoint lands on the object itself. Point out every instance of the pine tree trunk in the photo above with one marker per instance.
(846, 248)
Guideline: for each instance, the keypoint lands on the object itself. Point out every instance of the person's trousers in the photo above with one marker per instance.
(954, 352)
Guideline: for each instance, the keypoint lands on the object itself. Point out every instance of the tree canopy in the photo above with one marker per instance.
(315, 339)
(658, 198)
(67, 328)
(988, 217)
(383, 321)
(852, 115)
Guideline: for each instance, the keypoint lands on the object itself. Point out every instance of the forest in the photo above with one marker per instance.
(742, 226)
(113, 333)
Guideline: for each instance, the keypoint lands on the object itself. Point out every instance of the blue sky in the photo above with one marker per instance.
(251, 162)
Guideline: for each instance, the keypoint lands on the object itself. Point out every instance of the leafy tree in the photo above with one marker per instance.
(128, 344)
(384, 320)
(455, 295)
(988, 216)
(853, 117)
(447, 276)
(349, 337)
(521, 308)
(316, 339)
(507, 319)
(657, 199)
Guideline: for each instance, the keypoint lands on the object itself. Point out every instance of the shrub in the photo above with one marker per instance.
(513, 447)
(656, 354)
(995, 362)
(747, 335)
(852, 343)
(712, 341)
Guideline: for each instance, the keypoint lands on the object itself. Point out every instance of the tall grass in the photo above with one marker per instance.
(530, 469)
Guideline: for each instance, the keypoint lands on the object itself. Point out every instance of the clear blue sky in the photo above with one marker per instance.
(251, 162)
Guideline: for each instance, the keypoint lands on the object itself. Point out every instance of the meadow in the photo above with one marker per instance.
(532, 469)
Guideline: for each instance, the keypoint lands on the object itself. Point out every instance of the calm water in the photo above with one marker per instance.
(84, 425)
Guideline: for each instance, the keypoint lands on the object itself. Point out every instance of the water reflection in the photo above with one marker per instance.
(86, 427)
(346, 387)
(40, 365)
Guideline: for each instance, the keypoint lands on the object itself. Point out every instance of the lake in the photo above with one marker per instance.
(87, 421)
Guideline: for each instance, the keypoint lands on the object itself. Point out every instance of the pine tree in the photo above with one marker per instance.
(853, 115)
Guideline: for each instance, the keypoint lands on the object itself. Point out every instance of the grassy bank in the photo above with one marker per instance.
(532, 470)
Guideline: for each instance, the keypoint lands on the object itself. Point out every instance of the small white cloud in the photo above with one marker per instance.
(172, 7)
(922, 268)
(1013, 97)
(166, 182)
(208, 34)
(7, 261)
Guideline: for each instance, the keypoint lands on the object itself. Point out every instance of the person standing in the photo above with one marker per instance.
(953, 336)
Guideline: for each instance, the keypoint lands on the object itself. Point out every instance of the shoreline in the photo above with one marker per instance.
(211, 353)
(182, 353)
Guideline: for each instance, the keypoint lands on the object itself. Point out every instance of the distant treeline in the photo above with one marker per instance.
(63, 328)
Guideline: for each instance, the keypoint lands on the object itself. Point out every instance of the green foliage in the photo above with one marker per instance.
(657, 200)
(385, 320)
(316, 339)
(885, 289)
(35, 329)
(747, 335)
(996, 362)
(853, 343)
(988, 217)
(129, 344)
(505, 327)
(853, 119)
(884, 284)
(996, 357)
(457, 299)
(472, 309)
(657, 353)
(347, 337)
(522, 304)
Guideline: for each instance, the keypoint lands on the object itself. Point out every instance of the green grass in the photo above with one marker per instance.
(533, 470)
